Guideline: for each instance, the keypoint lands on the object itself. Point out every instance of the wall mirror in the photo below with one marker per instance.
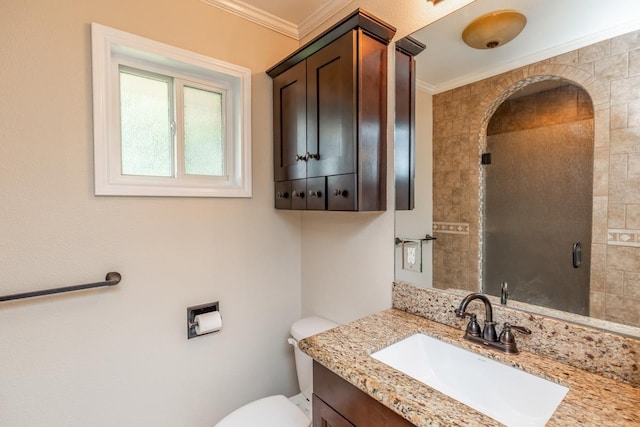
(589, 45)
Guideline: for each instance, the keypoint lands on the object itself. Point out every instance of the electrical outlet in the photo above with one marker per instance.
(412, 256)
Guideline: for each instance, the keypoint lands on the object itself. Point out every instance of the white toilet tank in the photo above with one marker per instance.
(301, 329)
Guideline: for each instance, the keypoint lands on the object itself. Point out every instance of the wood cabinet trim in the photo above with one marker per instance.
(410, 46)
(358, 19)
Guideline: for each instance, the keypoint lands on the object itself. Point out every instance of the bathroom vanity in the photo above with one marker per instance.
(337, 403)
(350, 385)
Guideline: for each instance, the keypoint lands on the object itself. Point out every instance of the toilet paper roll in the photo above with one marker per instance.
(208, 322)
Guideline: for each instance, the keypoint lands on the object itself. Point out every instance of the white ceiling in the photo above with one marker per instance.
(553, 27)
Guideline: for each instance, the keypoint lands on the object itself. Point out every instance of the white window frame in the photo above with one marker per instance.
(112, 48)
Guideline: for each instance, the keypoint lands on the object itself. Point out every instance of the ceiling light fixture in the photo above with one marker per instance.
(494, 29)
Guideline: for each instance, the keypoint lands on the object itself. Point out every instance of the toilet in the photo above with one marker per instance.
(279, 411)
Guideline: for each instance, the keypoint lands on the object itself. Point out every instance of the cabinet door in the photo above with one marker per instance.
(290, 123)
(332, 108)
(325, 416)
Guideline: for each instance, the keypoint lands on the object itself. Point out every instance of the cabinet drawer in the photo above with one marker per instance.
(342, 192)
(302, 194)
(283, 195)
(299, 194)
(316, 194)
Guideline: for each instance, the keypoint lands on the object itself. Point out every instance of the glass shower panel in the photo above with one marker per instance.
(538, 203)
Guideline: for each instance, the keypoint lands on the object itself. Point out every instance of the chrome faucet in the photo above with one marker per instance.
(488, 337)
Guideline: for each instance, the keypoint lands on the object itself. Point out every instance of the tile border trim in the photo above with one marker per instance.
(623, 237)
(451, 227)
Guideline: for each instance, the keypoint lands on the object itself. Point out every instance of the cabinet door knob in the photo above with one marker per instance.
(313, 156)
(282, 195)
(317, 194)
(343, 193)
(304, 157)
(296, 194)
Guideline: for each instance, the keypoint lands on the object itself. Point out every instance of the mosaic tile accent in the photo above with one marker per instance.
(623, 237)
(451, 227)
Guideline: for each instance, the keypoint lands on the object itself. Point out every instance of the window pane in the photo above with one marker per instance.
(145, 112)
(203, 132)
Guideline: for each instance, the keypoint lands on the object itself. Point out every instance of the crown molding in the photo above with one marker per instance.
(425, 87)
(257, 16)
(320, 16)
(277, 24)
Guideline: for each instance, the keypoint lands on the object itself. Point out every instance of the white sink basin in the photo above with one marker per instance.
(508, 395)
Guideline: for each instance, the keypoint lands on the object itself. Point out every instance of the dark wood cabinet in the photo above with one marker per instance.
(325, 416)
(329, 111)
(405, 166)
(339, 403)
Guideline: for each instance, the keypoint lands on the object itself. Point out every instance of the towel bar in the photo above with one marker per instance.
(112, 278)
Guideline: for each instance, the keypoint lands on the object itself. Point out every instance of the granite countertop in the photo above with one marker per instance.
(592, 400)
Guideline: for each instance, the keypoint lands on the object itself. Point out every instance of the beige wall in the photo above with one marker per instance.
(348, 259)
(120, 357)
(610, 72)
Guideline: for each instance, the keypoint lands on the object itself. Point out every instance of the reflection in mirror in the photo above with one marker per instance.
(538, 186)
(461, 100)
(417, 223)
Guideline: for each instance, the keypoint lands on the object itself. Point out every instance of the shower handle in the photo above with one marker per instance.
(577, 254)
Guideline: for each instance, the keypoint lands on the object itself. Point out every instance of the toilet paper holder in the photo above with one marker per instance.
(196, 310)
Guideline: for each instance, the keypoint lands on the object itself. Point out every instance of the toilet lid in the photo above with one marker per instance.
(272, 411)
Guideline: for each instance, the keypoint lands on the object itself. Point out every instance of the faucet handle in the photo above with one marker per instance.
(473, 327)
(521, 329)
(508, 339)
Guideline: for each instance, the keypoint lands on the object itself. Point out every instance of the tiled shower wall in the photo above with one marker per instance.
(610, 73)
